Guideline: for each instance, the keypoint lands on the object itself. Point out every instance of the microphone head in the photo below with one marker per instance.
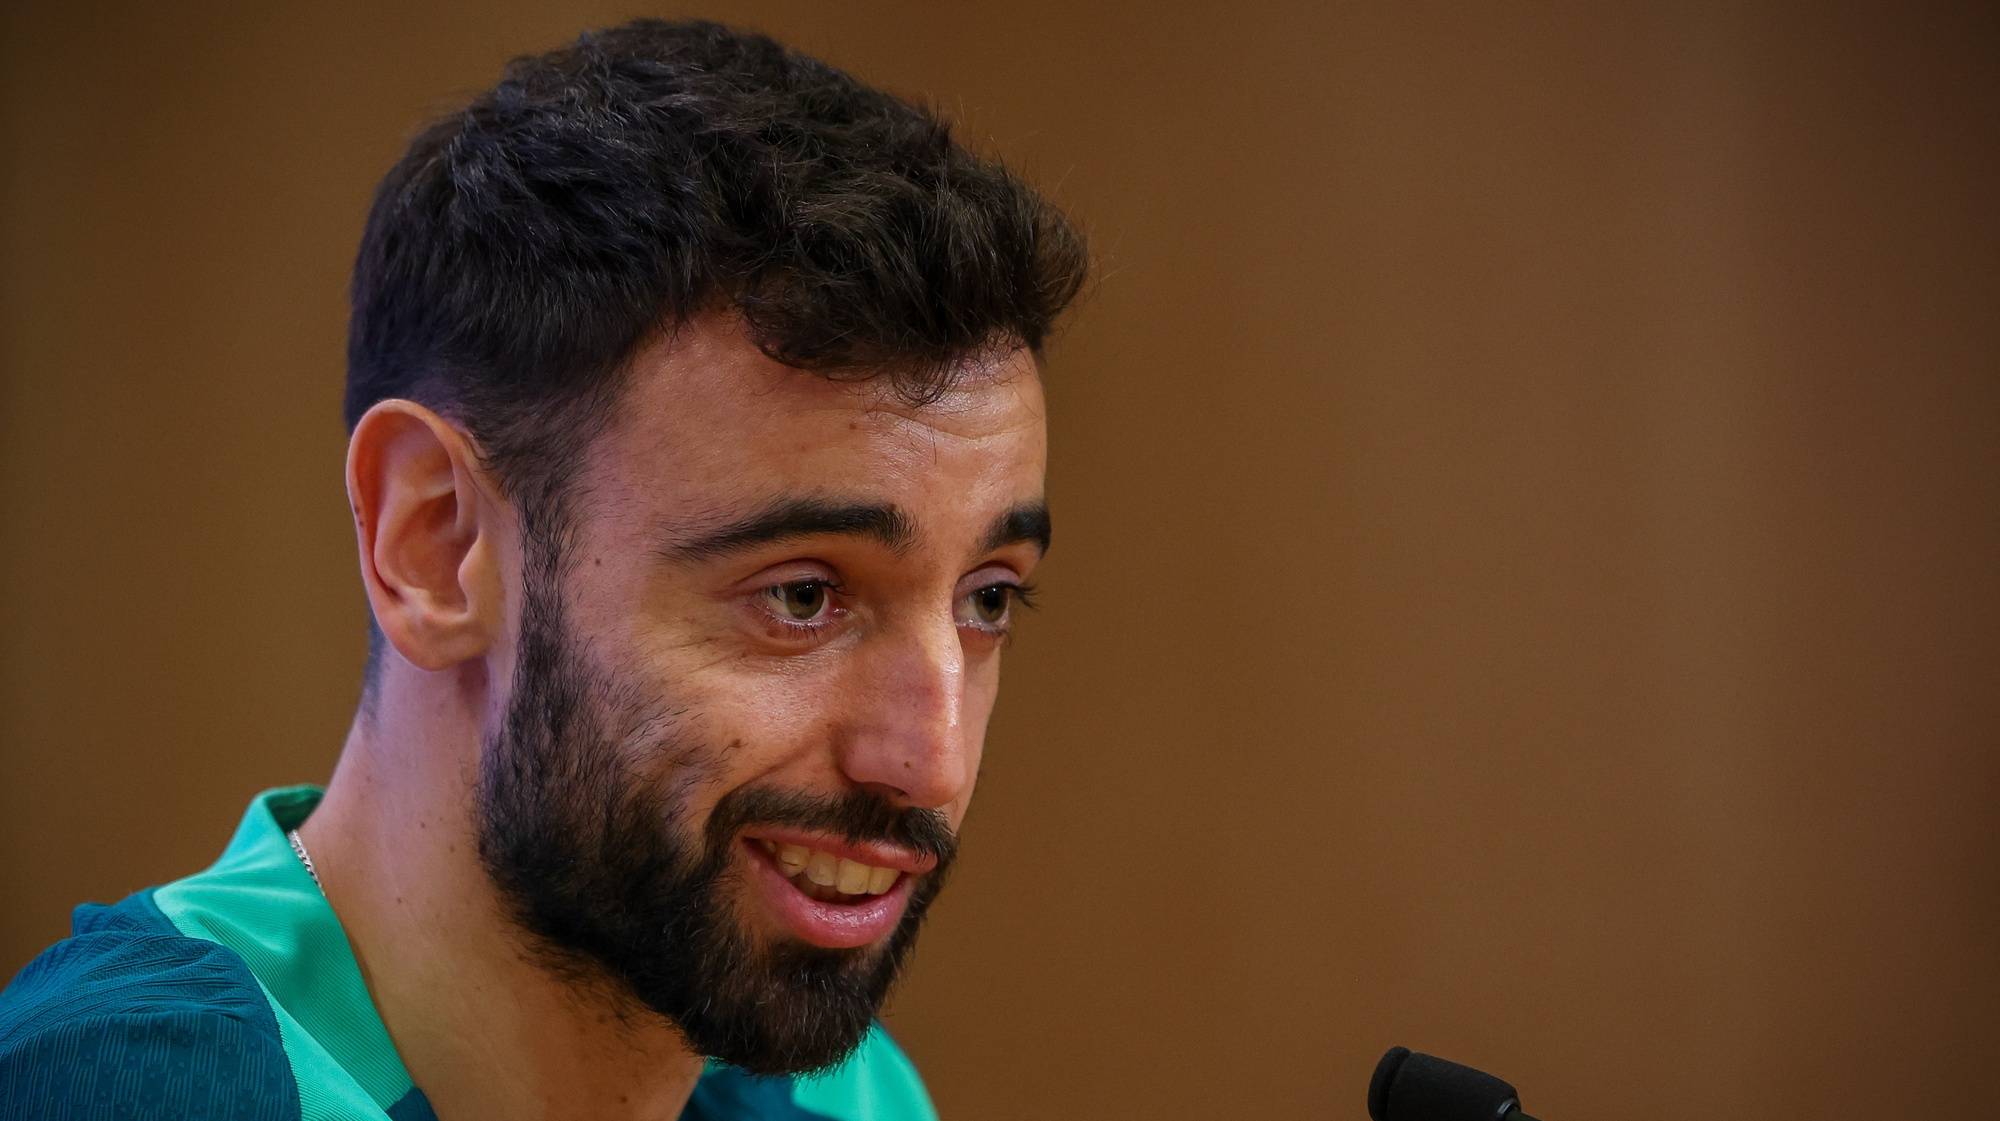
(1412, 1086)
(1378, 1086)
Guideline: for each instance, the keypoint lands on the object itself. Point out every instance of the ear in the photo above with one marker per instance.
(428, 535)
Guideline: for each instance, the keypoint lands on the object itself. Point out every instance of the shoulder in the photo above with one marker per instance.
(876, 1083)
(130, 1018)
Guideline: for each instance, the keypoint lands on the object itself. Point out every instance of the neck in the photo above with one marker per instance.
(484, 1029)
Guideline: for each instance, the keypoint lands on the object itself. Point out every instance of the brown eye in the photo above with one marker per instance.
(802, 601)
(989, 604)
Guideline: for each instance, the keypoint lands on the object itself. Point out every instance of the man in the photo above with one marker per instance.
(696, 468)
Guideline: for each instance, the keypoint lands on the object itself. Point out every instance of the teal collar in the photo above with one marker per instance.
(258, 901)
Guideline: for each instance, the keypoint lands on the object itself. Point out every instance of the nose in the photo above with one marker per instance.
(906, 738)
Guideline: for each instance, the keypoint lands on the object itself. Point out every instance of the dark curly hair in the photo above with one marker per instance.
(524, 247)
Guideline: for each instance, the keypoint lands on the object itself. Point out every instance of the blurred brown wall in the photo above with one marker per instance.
(1527, 486)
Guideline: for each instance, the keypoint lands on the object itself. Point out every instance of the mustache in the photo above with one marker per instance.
(854, 816)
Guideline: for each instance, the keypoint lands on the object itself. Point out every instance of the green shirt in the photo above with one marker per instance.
(233, 994)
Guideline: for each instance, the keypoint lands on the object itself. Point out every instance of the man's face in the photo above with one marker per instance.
(751, 681)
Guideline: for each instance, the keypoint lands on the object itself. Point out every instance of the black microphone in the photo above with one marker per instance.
(1412, 1086)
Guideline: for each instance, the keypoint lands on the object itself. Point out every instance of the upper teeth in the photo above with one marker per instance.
(849, 877)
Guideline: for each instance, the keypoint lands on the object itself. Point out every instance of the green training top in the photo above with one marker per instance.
(233, 994)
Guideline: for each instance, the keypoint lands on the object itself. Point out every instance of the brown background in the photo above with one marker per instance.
(1528, 508)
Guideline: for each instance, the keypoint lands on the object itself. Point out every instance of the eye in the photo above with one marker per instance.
(991, 608)
(990, 604)
(801, 601)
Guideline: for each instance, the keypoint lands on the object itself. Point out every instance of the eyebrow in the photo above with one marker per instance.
(789, 518)
(1026, 522)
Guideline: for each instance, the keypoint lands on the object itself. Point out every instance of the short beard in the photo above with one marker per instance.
(590, 855)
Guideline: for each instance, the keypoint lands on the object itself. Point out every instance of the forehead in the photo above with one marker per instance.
(707, 423)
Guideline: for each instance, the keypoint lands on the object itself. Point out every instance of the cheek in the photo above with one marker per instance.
(759, 727)
(964, 804)
(982, 690)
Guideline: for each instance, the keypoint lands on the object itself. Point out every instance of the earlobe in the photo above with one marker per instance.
(425, 528)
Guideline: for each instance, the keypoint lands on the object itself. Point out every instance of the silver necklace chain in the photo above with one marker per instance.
(305, 858)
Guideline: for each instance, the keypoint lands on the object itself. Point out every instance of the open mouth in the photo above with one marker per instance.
(828, 878)
(844, 895)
